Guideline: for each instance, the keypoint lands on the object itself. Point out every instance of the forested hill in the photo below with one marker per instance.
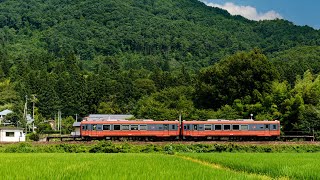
(186, 31)
(155, 59)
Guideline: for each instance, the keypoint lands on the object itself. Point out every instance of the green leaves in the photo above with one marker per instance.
(237, 76)
(166, 104)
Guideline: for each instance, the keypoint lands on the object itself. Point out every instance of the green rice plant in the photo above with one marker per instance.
(108, 166)
(291, 165)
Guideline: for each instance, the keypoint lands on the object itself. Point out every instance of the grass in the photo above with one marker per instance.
(109, 166)
(289, 165)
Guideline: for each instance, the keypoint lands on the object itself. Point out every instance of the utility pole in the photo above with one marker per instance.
(55, 122)
(60, 122)
(33, 102)
(76, 117)
(25, 111)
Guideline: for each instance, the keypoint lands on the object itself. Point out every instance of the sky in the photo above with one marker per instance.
(300, 12)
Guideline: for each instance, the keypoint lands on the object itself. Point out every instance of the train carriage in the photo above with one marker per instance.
(133, 129)
(231, 129)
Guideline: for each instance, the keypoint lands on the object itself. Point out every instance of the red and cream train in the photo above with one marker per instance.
(186, 130)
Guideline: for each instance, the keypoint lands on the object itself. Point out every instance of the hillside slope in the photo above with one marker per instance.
(180, 32)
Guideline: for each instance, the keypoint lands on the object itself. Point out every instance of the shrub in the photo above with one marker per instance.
(34, 137)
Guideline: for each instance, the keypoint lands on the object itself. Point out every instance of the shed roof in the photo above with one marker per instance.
(5, 112)
(10, 128)
(76, 124)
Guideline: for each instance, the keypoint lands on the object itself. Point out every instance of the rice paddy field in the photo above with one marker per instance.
(109, 166)
(275, 165)
(160, 166)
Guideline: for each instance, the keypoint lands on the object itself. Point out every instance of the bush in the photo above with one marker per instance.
(34, 137)
(104, 147)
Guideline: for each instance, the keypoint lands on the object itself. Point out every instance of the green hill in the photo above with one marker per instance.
(186, 31)
(155, 59)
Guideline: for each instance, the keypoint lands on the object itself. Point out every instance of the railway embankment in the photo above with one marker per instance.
(160, 147)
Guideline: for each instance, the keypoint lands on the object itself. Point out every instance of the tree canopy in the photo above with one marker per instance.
(156, 59)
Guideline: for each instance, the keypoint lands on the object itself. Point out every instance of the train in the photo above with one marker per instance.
(150, 130)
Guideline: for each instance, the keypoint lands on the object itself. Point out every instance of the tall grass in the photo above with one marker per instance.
(292, 165)
(110, 147)
(107, 166)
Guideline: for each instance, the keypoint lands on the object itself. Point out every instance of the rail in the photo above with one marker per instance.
(298, 135)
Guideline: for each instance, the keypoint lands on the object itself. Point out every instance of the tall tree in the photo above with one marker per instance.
(243, 74)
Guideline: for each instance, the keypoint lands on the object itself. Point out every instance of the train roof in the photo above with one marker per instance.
(237, 121)
(99, 117)
(145, 121)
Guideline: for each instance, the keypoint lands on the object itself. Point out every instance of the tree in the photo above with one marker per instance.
(8, 96)
(237, 76)
(67, 124)
(108, 108)
(167, 104)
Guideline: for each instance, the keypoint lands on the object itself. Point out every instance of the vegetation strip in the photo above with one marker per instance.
(217, 166)
(125, 147)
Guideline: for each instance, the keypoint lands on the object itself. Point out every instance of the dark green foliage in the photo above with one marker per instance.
(104, 147)
(243, 74)
(43, 128)
(34, 136)
(297, 61)
(155, 59)
(109, 147)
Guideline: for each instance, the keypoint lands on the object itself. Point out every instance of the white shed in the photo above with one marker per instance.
(76, 126)
(11, 134)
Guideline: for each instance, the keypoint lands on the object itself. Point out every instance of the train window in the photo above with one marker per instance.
(226, 127)
(106, 127)
(187, 127)
(173, 126)
(83, 127)
(143, 127)
(207, 127)
(116, 127)
(244, 127)
(235, 127)
(99, 127)
(217, 127)
(267, 126)
(195, 127)
(134, 127)
(94, 127)
(274, 127)
(125, 127)
(166, 127)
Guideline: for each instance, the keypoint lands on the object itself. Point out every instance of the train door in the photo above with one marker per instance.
(186, 130)
(267, 129)
(166, 129)
(195, 129)
(94, 130)
(89, 130)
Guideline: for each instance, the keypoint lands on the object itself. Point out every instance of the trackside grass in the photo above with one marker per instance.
(127, 147)
(290, 165)
(109, 166)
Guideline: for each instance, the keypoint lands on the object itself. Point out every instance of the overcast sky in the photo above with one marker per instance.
(300, 12)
